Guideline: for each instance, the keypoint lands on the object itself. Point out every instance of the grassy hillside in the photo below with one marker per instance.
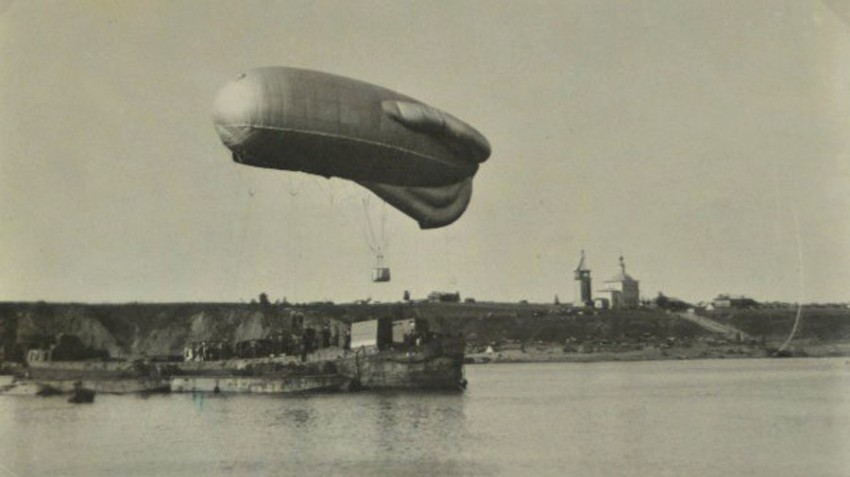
(131, 330)
(821, 324)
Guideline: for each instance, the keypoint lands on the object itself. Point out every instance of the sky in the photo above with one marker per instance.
(708, 142)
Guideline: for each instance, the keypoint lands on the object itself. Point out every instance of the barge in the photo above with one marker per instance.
(378, 354)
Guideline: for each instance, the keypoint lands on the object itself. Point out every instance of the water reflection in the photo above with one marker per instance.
(417, 428)
(606, 419)
(198, 400)
(300, 417)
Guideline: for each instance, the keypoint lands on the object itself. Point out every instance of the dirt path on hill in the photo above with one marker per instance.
(729, 332)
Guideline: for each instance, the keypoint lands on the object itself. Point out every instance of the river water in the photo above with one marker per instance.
(773, 418)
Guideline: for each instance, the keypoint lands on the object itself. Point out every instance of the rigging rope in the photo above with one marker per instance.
(797, 319)
(241, 234)
(377, 240)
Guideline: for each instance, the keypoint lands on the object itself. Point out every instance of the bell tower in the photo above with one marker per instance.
(583, 295)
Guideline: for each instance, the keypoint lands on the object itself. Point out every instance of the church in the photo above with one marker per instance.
(621, 291)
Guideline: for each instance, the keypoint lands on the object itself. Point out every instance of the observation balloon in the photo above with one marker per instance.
(417, 158)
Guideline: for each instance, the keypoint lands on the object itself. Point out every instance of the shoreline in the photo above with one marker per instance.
(555, 354)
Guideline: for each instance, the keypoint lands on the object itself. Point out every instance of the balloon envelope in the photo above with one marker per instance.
(417, 158)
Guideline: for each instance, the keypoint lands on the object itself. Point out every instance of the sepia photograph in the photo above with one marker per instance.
(425, 238)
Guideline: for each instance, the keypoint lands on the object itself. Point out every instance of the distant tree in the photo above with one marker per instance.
(674, 304)
(406, 295)
(557, 300)
(264, 299)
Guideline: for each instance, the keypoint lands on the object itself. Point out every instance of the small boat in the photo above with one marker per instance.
(81, 395)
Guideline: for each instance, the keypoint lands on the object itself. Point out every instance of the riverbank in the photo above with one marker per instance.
(548, 353)
(519, 332)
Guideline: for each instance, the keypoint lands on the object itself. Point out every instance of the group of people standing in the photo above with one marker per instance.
(279, 344)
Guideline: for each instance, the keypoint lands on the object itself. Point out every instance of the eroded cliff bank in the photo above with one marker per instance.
(128, 331)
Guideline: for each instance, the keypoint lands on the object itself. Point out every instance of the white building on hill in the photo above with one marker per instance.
(621, 291)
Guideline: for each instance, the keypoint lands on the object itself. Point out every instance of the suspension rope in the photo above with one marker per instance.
(372, 239)
(801, 277)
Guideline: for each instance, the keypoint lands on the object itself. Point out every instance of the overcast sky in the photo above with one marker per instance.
(708, 142)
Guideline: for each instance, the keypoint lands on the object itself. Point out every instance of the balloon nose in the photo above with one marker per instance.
(233, 136)
(234, 108)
